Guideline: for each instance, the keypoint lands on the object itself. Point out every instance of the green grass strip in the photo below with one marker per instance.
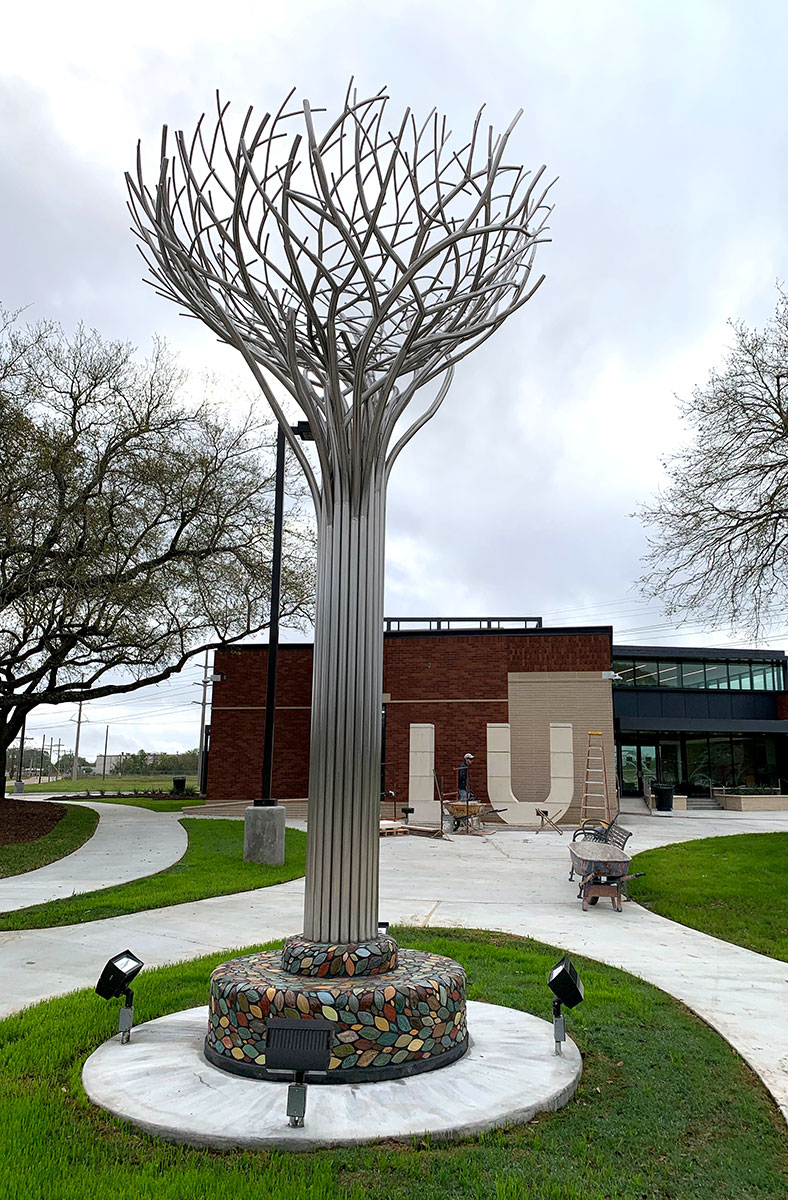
(112, 783)
(735, 888)
(212, 866)
(665, 1110)
(71, 832)
(151, 802)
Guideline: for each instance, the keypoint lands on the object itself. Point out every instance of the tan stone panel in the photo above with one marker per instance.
(582, 698)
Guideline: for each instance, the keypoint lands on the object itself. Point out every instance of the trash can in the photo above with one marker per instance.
(179, 784)
(663, 796)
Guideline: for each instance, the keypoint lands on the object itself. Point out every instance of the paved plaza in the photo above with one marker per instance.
(509, 880)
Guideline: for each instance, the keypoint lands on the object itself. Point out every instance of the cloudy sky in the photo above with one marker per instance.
(666, 125)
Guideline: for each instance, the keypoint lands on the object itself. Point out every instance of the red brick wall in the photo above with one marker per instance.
(235, 760)
(782, 707)
(459, 683)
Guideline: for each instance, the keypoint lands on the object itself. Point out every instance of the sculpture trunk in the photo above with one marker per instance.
(341, 903)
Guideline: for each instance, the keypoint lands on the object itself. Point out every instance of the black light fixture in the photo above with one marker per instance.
(383, 928)
(564, 983)
(298, 1046)
(114, 981)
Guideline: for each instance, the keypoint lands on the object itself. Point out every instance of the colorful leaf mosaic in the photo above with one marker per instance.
(409, 1019)
(374, 957)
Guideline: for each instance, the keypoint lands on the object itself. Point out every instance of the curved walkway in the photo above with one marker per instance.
(128, 843)
(511, 880)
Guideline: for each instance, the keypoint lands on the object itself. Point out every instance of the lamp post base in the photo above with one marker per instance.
(264, 834)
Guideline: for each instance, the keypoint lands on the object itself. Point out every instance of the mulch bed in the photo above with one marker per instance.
(27, 820)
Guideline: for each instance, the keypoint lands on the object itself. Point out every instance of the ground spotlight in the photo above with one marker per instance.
(383, 928)
(298, 1046)
(567, 989)
(114, 981)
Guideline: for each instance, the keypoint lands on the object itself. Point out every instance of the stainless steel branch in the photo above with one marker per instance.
(350, 266)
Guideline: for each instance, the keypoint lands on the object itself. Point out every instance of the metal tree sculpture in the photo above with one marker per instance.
(352, 267)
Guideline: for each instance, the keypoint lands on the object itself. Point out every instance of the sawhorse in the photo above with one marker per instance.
(546, 820)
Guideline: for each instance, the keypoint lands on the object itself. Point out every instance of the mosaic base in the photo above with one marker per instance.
(405, 1021)
(161, 1083)
(328, 959)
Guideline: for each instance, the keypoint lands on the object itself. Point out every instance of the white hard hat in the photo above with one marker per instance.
(467, 756)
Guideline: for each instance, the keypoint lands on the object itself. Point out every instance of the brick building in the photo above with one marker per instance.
(457, 676)
(698, 718)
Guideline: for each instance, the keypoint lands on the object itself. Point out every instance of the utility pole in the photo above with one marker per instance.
(57, 760)
(43, 752)
(104, 764)
(49, 771)
(74, 769)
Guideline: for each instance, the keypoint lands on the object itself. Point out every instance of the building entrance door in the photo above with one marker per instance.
(629, 770)
(637, 763)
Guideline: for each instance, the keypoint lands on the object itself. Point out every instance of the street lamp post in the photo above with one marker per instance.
(19, 785)
(302, 431)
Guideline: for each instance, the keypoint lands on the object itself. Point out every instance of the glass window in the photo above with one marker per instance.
(716, 675)
(762, 679)
(646, 674)
(692, 675)
(648, 762)
(698, 774)
(739, 674)
(743, 761)
(765, 762)
(629, 769)
(669, 675)
(670, 761)
(626, 669)
(721, 768)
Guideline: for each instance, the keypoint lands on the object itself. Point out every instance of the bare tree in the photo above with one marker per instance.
(719, 549)
(135, 531)
(351, 266)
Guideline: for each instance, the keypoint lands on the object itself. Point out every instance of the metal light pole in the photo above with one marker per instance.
(300, 430)
(204, 685)
(19, 785)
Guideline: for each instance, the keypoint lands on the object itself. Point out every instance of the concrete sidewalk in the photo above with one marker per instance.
(513, 881)
(129, 843)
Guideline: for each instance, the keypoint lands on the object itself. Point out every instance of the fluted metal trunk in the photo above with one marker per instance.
(341, 903)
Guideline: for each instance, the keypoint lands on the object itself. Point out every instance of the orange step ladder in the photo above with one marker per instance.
(596, 797)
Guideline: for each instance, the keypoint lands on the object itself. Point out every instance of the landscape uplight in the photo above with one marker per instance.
(114, 981)
(564, 982)
(298, 1046)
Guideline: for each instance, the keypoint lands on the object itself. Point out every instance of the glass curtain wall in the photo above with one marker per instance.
(694, 763)
(713, 676)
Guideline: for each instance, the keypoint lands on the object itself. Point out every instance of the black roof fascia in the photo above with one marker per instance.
(695, 652)
(565, 630)
(698, 725)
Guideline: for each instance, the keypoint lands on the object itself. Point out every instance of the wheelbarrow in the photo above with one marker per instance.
(603, 871)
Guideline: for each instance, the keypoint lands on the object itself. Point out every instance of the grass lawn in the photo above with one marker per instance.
(112, 783)
(154, 803)
(665, 1110)
(68, 835)
(212, 866)
(735, 888)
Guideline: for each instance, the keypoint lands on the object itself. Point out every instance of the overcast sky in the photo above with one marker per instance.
(667, 127)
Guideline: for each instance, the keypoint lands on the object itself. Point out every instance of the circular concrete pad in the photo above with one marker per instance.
(161, 1083)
